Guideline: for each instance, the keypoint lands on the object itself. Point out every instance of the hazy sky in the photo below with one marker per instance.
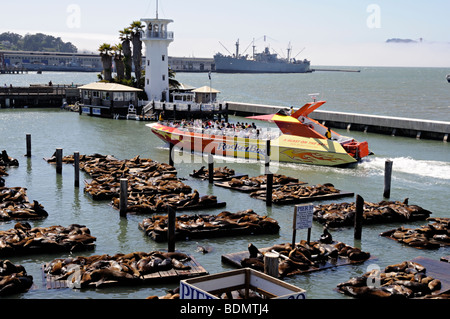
(327, 32)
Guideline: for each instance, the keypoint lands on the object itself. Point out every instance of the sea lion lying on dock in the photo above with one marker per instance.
(6, 160)
(129, 269)
(342, 214)
(14, 204)
(13, 279)
(219, 172)
(261, 180)
(405, 280)
(293, 192)
(304, 256)
(431, 236)
(23, 238)
(202, 226)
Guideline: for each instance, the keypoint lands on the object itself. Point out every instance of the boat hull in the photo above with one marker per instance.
(286, 148)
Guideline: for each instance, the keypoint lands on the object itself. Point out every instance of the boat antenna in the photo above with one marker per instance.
(157, 11)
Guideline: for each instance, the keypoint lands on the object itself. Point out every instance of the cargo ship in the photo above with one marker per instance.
(296, 139)
(264, 62)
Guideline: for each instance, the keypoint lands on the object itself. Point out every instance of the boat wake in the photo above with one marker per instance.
(423, 168)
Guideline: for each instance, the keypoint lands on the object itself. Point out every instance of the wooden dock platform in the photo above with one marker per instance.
(161, 277)
(234, 259)
(250, 189)
(309, 199)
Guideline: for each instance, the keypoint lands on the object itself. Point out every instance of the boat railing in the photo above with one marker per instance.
(259, 134)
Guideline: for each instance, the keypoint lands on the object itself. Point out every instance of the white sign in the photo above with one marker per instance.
(303, 216)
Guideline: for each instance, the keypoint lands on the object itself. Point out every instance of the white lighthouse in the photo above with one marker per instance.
(157, 39)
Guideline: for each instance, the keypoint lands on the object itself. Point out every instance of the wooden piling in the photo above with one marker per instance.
(172, 216)
(28, 138)
(269, 188)
(59, 157)
(211, 168)
(267, 157)
(271, 264)
(123, 197)
(359, 216)
(387, 178)
(76, 157)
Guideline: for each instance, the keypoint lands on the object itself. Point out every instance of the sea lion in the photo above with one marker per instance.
(254, 252)
(326, 237)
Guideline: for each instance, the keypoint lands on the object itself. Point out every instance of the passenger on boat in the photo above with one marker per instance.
(328, 134)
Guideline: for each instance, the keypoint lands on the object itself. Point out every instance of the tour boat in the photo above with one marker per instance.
(297, 139)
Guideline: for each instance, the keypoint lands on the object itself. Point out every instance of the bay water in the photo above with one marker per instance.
(421, 170)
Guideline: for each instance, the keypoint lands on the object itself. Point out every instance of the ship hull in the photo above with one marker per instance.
(286, 148)
(232, 65)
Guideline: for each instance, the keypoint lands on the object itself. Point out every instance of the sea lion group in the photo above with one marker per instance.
(304, 256)
(219, 173)
(431, 236)
(288, 193)
(152, 186)
(159, 203)
(343, 214)
(127, 269)
(206, 226)
(13, 279)
(25, 239)
(405, 280)
(15, 205)
(261, 180)
(6, 161)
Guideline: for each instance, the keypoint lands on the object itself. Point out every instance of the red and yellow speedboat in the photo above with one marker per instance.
(297, 139)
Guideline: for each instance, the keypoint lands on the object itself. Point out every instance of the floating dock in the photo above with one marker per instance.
(395, 126)
(234, 259)
(160, 277)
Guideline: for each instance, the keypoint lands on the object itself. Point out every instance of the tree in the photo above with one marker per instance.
(105, 53)
(118, 60)
(172, 81)
(136, 29)
(125, 37)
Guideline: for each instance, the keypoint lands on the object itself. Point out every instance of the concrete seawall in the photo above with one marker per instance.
(395, 126)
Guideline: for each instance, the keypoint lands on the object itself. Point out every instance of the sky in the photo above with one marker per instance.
(326, 32)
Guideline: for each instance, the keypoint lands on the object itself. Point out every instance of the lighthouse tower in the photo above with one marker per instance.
(157, 40)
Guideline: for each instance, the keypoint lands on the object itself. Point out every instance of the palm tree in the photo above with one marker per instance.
(105, 53)
(136, 28)
(172, 81)
(125, 37)
(118, 60)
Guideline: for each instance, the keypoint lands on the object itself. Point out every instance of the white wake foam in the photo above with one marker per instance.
(424, 168)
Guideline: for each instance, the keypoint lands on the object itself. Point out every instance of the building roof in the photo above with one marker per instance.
(110, 87)
(205, 89)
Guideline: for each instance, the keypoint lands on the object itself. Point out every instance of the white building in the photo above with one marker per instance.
(157, 39)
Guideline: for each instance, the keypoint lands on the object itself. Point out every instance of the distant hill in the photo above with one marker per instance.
(35, 42)
(396, 40)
